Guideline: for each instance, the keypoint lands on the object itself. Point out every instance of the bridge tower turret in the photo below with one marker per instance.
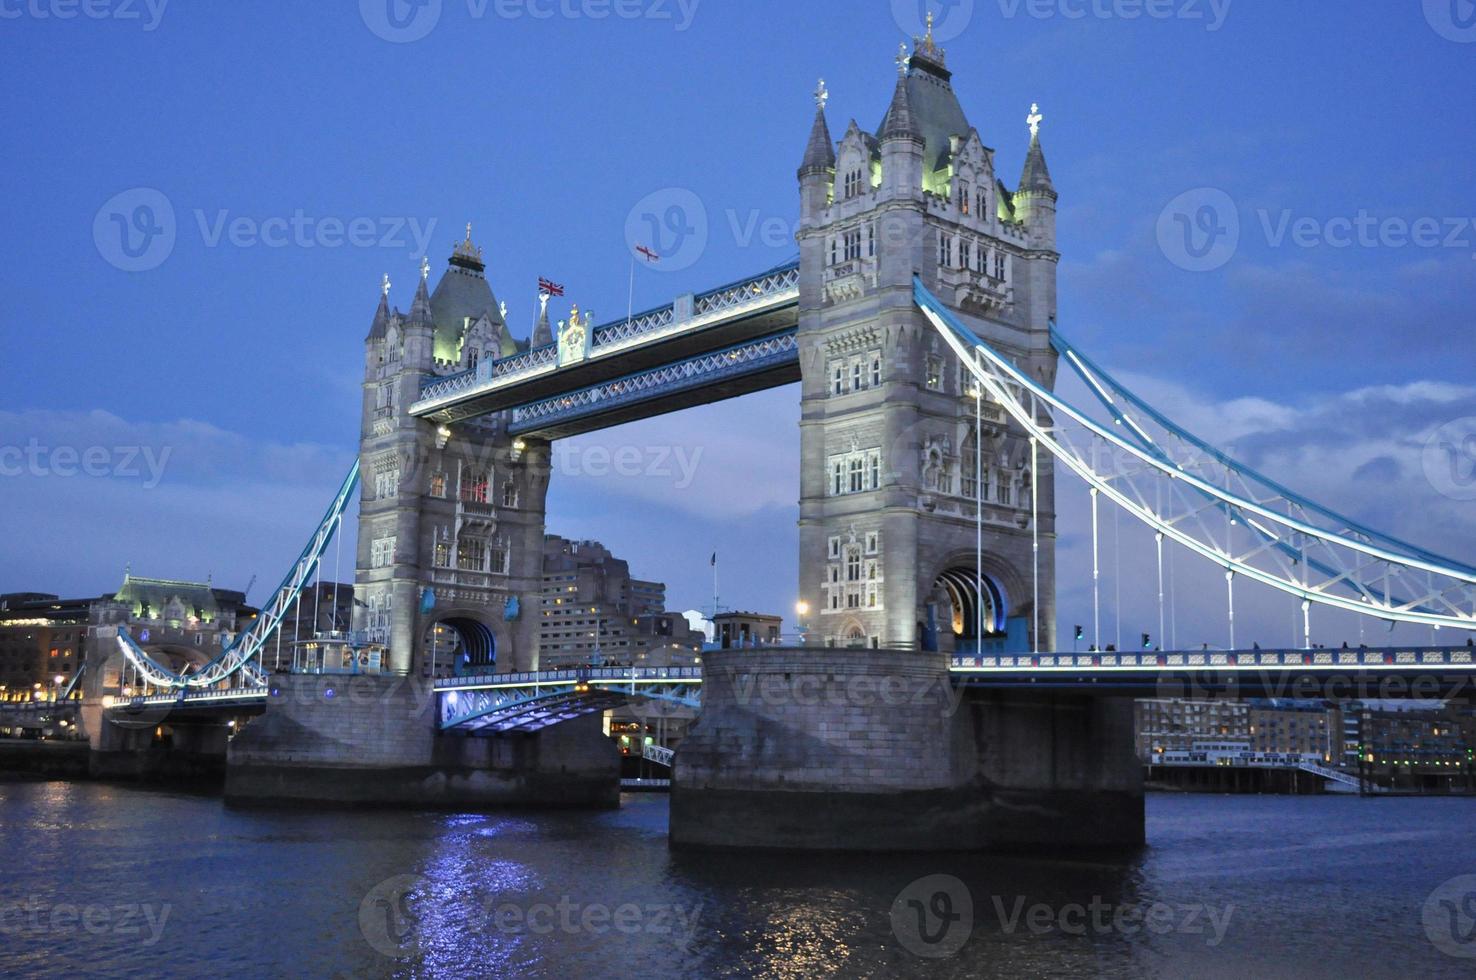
(890, 443)
(450, 551)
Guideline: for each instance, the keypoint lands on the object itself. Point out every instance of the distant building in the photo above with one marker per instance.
(1422, 745)
(42, 637)
(745, 629)
(592, 610)
(179, 623)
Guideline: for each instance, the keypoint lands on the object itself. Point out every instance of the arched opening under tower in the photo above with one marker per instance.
(968, 613)
(455, 645)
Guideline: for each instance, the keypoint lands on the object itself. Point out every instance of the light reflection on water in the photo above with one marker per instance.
(1303, 886)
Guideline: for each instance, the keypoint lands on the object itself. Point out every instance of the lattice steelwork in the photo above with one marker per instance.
(777, 286)
(702, 370)
(530, 701)
(1220, 509)
(741, 294)
(238, 662)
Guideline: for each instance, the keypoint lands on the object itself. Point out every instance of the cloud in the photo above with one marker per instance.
(181, 499)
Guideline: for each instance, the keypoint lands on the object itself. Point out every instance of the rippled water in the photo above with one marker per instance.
(121, 882)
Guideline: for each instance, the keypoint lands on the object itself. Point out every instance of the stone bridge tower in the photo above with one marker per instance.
(450, 552)
(888, 433)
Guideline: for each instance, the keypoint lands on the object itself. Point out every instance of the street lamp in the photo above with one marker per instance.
(802, 609)
(56, 694)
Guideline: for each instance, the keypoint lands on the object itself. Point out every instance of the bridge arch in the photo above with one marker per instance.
(953, 604)
(457, 640)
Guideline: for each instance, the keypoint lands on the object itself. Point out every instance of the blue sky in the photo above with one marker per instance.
(1329, 364)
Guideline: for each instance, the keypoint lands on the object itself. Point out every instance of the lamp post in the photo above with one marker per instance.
(56, 692)
(802, 609)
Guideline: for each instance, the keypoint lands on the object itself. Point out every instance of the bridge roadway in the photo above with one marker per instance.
(530, 701)
(699, 348)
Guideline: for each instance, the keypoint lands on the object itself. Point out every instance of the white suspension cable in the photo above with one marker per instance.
(1035, 536)
(1096, 575)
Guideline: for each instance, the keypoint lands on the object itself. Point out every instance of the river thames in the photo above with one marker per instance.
(111, 881)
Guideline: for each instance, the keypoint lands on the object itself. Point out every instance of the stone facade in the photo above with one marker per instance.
(873, 750)
(451, 518)
(888, 482)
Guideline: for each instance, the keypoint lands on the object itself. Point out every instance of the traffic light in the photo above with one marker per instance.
(1078, 632)
(1147, 642)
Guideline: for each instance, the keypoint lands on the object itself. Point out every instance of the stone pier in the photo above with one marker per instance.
(876, 750)
(373, 741)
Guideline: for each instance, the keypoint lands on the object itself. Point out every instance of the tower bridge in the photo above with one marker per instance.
(920, 321)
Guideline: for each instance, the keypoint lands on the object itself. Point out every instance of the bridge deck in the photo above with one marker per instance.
(684, 329)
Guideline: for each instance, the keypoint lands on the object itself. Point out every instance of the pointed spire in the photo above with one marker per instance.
(1036, 176)
(420, 309)
(899, 122)
(381, 315)
(820, 150)
(542, 332)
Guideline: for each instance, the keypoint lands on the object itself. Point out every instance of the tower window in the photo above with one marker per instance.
(853, 244)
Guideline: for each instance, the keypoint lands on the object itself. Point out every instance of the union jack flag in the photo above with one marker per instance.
(550, 287)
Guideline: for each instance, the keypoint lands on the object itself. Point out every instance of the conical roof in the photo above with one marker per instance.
(820, 150)
(1036, 176)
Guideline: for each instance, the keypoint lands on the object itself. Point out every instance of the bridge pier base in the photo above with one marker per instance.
(173, 750)
(875, 750)
(372, 741)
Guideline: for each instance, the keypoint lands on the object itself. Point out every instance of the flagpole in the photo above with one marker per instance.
(630, 296)
(714, 584)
